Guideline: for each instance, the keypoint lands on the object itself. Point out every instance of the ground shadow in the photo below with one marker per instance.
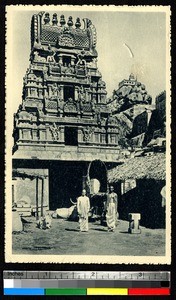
(37, 248)
(99, 229)
(123, 232)
(68, 229)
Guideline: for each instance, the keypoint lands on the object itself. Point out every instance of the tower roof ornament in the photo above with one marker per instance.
(131, 77)
(47, 18)
(62, 20)
(70, 21)
(78, 23)
(55, 20)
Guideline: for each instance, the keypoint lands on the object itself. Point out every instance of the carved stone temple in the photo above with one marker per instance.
(63, 123)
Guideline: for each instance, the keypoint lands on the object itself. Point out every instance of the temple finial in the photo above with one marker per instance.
(62, 20)
(47, 18)
(70, 21)
(55, 20)
(78, 23)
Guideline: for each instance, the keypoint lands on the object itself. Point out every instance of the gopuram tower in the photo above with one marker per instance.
(63, 123)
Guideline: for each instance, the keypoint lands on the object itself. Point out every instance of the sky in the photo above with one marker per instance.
(144, 33)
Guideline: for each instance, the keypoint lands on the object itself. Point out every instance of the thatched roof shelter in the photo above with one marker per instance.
(29, 173)
(144, 167)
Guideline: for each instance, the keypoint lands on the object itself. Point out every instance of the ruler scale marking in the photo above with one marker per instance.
(162, 276)
(86, 282)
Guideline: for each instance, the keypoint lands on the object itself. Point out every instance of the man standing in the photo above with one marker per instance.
(83, 207)
(111, 215)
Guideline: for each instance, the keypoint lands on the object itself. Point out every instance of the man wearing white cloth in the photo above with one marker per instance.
(83, 207)
(111, 215)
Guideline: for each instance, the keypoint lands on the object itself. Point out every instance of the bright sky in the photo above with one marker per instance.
(144, 32)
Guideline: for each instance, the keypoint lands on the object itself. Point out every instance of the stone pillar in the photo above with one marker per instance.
(61, 92)
(20, 134)
(62, 137)
(60, 60)
(96, 136)
(76, 93)
(28, 92)
(72, 61)
(40, 93)
(34, 92)
(45, 93)
(16, 221)
(134, 223)
(86, 94)
(42, 195)
(80, 135)
(49, 90)
(89, 95)
(37, 198)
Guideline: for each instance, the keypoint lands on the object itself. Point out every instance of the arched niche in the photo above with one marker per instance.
(97, 172)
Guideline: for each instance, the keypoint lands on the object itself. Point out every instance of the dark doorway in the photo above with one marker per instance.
(69, 92)
(97, 170)
(71, 136)
(66, 182)
(66, 61)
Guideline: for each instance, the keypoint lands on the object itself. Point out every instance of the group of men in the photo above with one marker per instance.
(83, 208)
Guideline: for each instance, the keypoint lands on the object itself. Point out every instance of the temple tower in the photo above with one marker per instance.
(64, 117)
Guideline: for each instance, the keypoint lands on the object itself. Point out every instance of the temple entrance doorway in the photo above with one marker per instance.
(68, 178)
(65, 183)
(97, 172)
(97, 179)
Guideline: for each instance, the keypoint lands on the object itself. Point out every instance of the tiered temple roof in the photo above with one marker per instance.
(64, 97)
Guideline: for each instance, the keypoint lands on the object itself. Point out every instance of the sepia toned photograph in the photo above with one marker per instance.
(88, 134)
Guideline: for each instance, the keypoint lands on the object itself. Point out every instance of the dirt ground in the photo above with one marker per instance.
(64, 238)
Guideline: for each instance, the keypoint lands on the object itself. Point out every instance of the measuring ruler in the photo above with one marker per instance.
(86, 283)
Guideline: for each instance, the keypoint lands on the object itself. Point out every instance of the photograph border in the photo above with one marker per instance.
(86, 259)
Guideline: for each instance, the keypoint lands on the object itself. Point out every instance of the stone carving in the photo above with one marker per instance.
(66, 40)
(111, 120)
(38, 58)
(47, 18)
(40, 112)
(87, 23)
(81, 68)
(54, 20)
(55, 91)
(68, 70)
(55, 130)
(87, 133)
(93, 63)
(51, 58)
(78, 23)
(51, 104)
(81, 61)
(70, 21)
(45, 71)
(62, 20)
(101, 84)
(61, 104)
(81, 95)
(92, 30)
(31, 76)
(70, 106)
(98, 117)
(55, 69)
